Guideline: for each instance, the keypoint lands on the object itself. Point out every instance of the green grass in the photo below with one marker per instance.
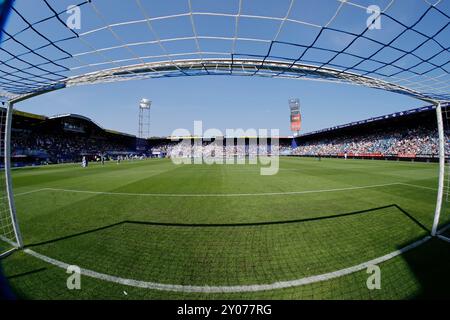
(232, 240)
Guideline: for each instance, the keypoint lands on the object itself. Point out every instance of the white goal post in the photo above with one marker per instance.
(442, 160)
(9, 190)
(17, 242)
(8, 177)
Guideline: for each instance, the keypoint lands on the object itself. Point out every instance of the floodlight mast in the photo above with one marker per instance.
(144, 118)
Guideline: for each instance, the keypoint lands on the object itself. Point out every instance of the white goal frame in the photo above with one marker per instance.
(10, 192)
(442, 161)
(237, 52)
(8, 178)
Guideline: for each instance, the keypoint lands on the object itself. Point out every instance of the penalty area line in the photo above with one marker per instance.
(26, 193)
(230, 289)
(175, 195)
(417, 186)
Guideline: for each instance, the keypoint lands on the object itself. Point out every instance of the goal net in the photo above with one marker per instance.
(8, 232)
(55, 44)
(399, 46)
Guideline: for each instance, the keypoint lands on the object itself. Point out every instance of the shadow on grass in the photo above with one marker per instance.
(7, 290)
(253, 224)
(25, 273)
(430, 264)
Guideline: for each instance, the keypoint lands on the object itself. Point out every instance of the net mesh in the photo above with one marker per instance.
(43, 49)
(392, 45)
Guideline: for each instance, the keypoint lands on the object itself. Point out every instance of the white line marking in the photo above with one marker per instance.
(230, 289)
(25, 193)
(14, 244)
(28, 192)
(217, 194)
(7, 253)
(417, 186)
(223, 195)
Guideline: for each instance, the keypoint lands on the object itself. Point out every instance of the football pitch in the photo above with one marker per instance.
(154, 230)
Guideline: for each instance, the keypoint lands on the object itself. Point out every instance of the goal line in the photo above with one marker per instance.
(236, 288)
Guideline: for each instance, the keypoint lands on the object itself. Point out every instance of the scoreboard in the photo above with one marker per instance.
(296, 117)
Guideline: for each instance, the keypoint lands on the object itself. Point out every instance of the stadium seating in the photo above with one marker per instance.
(409, 134)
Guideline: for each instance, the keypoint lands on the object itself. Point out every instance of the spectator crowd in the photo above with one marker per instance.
(420, 141)
(69, 147)
(188, 149)
(58, 148)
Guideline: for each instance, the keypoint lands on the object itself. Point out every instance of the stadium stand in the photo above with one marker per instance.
(408, 135)
(231, 148)
(66, 138)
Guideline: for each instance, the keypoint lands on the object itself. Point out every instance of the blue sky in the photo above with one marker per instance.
(225, 102)
(220, 102)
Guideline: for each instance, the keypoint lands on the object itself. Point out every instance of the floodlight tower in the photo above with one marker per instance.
(144, 118)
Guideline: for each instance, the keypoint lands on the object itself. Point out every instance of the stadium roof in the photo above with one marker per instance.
(398, 46)
(68, 115)
(78, 116)
(375, 119)
(73, 115)
(29, 115)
